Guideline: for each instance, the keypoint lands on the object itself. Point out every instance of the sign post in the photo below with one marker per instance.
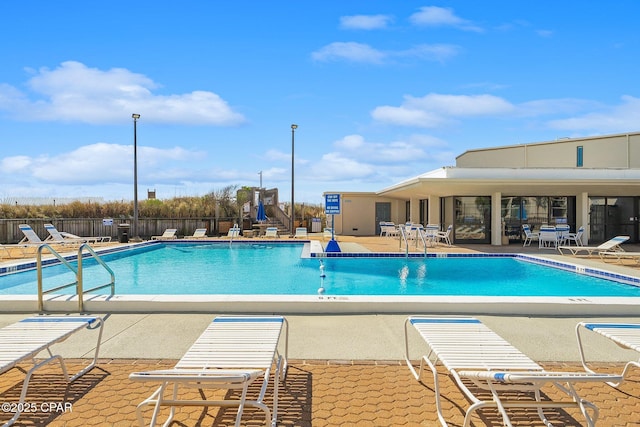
(332, 207)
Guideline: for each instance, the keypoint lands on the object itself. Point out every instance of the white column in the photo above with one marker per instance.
(414, 210)
(496, 220)
(434, 210)
(582, 215)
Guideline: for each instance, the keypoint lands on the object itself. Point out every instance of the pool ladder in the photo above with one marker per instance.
(404, 238)
(78, 283)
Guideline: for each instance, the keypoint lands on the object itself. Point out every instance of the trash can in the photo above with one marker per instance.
(316, 225)
(123, 233)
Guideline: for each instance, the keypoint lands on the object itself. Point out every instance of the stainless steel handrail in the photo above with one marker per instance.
(60, 258)
(81, 290)
(405, 238)
(78, 283)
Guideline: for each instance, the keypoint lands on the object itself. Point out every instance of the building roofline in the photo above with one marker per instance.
(558, 140)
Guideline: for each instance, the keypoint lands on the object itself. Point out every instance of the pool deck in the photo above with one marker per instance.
(345, 369)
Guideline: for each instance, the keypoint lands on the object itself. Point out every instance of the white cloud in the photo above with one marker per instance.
(435, 109)
(337, 167)
(75, 92)
(354, 159)
(363, 53)
(433, 52)
(102, 163)
(350, 51)
(365, 22)
(541, 107)
(570, 114)
(433, 16)
(396, 151)
(618, 118)
(14, 164)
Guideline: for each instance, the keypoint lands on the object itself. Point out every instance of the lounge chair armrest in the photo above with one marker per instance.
(538, 377)
(236, 376)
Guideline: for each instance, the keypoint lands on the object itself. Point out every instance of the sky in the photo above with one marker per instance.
(381, 91)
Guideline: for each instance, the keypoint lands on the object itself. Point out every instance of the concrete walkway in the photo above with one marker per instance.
(330, 337)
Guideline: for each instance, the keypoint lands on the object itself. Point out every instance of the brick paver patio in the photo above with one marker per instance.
(315, 393)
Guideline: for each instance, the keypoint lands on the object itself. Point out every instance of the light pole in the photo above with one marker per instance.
(134, 231)
(293, 205)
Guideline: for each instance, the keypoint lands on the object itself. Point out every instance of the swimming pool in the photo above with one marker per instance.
(279, 269)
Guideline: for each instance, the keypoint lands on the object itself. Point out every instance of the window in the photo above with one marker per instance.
(579, 154)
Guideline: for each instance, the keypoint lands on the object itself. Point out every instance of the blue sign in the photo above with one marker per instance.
(332, 204)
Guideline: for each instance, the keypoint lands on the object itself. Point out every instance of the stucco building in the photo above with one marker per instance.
(592, 182)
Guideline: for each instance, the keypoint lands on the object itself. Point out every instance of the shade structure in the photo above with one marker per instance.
(261, 216)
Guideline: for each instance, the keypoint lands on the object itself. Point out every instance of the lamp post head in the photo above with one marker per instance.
(294, 127)
(135, 116)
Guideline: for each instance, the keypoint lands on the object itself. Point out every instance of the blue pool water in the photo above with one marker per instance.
(279, 269)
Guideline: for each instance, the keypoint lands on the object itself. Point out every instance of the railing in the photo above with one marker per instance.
(419, 235)
(81, 290)
(78, 272)
(403, 238)
(283, 218)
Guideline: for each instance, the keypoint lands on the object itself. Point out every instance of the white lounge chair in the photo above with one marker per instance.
(169, 234)
(271, 232)
(625, 335)
(25, 340)
(30, 236)
(547, 237)
(199, 233)
(301, 233)
(479, 359)
(328, 233)
(611, 245)
(232, 353)
(529, 235)
(620, 256)
(6, 250)
(62, 237)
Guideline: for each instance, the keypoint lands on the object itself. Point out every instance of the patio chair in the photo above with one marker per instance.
(431, 233)
(480, 361)
(388, 229)
(575, 237)
(563, 231)
(412, 231)
(68, 238)
(611, 245)
(169, 234)
(23, 341)
(547, 237)
(301, 233)
(625, 335)
(444, 235)
(232, 353)
(529, 235)
(271, 232)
